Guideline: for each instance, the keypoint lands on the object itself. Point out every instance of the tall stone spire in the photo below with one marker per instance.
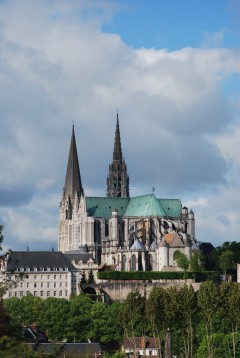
(73, 181)
(117, 179)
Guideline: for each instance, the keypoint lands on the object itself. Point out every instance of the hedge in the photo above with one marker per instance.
(155, 275)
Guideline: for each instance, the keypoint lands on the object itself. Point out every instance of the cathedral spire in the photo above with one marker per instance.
(117, 179)
(117, 153)
(73, 181)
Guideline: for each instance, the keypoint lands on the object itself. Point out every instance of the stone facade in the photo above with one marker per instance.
(140, 233)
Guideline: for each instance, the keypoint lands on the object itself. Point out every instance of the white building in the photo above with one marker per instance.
(40, 273)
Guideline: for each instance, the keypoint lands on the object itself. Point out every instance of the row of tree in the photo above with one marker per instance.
(203, 323)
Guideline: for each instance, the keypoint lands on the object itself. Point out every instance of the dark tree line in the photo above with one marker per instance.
(203, 324)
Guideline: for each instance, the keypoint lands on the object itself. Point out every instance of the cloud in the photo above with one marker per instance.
(58, 67)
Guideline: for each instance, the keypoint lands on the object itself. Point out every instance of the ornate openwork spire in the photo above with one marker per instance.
(117, 179)
(117, 153)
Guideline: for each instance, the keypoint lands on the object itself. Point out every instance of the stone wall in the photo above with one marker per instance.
(118, 290)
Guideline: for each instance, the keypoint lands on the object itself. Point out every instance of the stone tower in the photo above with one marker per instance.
(72, 193)
(117, 179)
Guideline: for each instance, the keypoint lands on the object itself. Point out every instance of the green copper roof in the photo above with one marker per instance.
(103, 207)
(144, 206)
(139, 206)
(172, 207)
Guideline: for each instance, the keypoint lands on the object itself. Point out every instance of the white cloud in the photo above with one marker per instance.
(58, 67)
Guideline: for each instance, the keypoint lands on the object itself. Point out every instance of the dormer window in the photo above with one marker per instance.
(35, 268)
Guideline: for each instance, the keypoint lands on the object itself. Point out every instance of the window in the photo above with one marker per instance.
(48, 285)
(10, 294)
(54, 293)
(27, 284)
(41, 284)
(48, 293)
(66, 284)
(60, 284)
(60, 293)
(35, 293)
(35, 285)
(41, 293)
(55, 277)
(149, 353)
(66, 293)
(35, 277)
(21, 293)
(48, 276)
(41, 277)
(66, 276)
(54, 285)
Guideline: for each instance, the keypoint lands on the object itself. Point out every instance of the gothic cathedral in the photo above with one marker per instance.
(139, 233)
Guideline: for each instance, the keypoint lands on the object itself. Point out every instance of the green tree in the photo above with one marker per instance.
(54, 317)
(208, 303)
(230, 309)
(181, 260)
(83, 278)
(226, 261)
(79, 322)
(196, 261)
(105, 328)
(132, 316)
(91, 278)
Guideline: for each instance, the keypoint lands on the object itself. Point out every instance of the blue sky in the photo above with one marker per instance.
(171, 68)
(176, 24)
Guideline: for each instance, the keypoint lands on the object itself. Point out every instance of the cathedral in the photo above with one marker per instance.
(139, 233)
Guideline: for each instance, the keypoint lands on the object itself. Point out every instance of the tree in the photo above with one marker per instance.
(226, 261)
(91, 278)
(83, 278)
(208, 303)
(181, 260)
(132, 316)
(187, 309)
(196, 261)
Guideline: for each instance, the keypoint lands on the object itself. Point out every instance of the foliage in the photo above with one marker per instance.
(196, 261)
(91, 278)
(83, 278)
(132, 313)
(154, 275)
(226, 261)
(12, 348)
(181, 260)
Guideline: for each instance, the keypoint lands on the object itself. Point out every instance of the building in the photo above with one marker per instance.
(139, 233)
(40, 273)
(141, 347)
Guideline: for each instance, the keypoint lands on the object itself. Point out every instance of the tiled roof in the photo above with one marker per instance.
(140, 342)
(173, 240)
(38, 259)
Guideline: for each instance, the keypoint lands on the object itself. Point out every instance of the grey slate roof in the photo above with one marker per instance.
(137, 245)
(76, 349)
(38, 259)
(79, 256)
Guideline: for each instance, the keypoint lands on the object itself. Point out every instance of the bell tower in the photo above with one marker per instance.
(117, 179)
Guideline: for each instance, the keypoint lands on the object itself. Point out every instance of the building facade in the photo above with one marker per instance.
(139, 233)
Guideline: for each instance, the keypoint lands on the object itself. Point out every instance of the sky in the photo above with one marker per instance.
(171, 69)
